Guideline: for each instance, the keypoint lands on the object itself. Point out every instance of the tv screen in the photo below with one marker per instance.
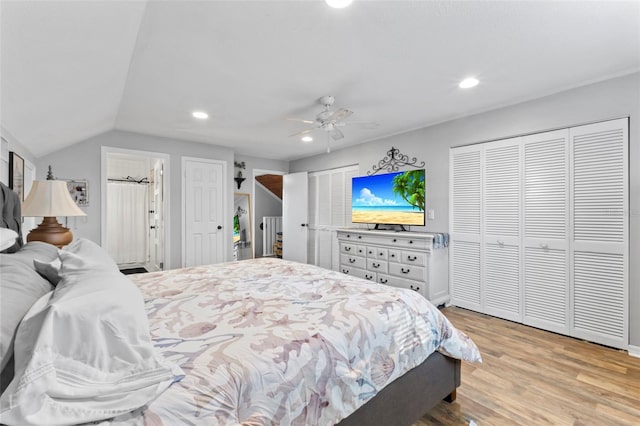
(236, 228)
(390, 199)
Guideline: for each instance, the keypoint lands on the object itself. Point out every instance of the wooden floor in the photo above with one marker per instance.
(533, 377)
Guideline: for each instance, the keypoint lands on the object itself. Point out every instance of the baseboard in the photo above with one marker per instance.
(634, 351)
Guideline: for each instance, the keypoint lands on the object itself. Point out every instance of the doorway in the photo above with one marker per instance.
(266, 203)
(135, 202)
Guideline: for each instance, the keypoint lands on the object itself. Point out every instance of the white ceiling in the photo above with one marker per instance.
(72, 69)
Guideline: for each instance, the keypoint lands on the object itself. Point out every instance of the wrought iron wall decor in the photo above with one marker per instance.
(393, 161)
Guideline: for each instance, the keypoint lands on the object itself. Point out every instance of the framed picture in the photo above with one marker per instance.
(79, 190)
(16, 174)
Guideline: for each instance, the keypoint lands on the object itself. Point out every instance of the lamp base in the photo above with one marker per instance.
(52, 232)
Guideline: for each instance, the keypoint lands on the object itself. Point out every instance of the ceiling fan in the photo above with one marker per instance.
(326, 120)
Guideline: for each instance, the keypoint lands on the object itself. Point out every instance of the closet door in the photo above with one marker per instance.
(329, 210)
(546, 231)
(465, 197)
(599, 172)
(501, 232)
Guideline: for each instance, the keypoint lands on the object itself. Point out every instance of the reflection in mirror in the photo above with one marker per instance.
(242, 236)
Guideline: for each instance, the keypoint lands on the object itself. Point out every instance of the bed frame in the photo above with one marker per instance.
(402, 402)
(412, 395)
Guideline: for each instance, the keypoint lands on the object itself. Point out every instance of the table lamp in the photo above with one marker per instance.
(48, 199)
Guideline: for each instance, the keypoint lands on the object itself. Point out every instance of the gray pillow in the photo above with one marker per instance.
(49, 270)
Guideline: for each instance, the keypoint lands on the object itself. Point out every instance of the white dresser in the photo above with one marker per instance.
(399, 259)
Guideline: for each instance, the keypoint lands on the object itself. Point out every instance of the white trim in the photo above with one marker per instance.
(228, 254)
(634, 351)
(105, 150)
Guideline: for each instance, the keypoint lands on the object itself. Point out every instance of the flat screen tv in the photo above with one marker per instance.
(389, 199)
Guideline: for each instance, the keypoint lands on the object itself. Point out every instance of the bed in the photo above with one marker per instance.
(254, 342)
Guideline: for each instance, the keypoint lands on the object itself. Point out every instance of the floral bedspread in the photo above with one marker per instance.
(266, 341)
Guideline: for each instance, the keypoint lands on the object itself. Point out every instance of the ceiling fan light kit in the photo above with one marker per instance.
(338, 4)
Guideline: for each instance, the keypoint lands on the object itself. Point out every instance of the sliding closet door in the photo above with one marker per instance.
(546, 231)
(600, 232)
(465, 198)
(501, 231)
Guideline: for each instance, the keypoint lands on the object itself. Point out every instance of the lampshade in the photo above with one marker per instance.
(50, 198)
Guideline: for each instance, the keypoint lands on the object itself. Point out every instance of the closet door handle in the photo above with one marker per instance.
(219, 226)
(152, 227)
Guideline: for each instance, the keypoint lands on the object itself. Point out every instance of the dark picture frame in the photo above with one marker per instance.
(16, 174)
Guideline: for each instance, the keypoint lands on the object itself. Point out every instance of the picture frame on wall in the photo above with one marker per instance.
(16, 174)
(79, 190)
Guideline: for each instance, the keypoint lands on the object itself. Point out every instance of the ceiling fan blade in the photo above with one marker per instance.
(363, 124)
(300, 120)
(304, 132)
(341, 114)
(336, 134)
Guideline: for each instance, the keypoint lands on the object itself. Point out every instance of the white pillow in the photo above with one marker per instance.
(8, 238)
(85, 354)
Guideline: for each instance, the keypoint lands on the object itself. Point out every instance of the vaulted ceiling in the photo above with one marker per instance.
(74, 69)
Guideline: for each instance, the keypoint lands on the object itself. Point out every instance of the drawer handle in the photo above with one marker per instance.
(370, 252)
(369, 277)
(359, 237)
(348, 236)
(360, 251)
(375, 265)
(395, 240)
(405, 271)
(383, 281)
(352, 260)
(347, 249)
(416, 288)
(381, 254)
(345, 271)
(393, 255)
(410, 241)
(412, 259)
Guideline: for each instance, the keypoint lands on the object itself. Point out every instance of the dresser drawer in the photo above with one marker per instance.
(377, 265)
(347, 248)
(413, 258)
(407, 271)
(352, 271)
(353, 261)
(394, 255)
(402, 283)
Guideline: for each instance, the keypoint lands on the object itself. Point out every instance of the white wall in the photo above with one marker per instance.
(83, 161)
(619, 97)
(18, 148)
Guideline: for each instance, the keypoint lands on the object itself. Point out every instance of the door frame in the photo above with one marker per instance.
(256, 219)
(227, 237)
(104, 153)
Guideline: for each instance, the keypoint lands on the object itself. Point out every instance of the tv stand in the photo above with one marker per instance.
(397, 228)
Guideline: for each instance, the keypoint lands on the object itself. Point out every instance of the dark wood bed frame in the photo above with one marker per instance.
(402, 402)
(412, 395)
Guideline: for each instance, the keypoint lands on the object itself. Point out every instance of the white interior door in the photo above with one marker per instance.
(156, 216)
(204, 211)
(295, 216)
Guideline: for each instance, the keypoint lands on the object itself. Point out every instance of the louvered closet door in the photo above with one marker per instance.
(546, 231)
(600, 232)
(465, 199)
(501, 241)
(329, 210)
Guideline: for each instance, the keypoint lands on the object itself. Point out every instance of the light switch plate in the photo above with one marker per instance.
(432, 214)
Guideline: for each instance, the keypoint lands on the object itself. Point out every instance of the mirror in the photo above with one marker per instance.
(242, 235)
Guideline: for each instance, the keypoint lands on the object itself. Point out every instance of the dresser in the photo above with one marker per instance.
(399, 259)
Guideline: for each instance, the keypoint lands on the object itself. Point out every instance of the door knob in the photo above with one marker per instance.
(304, 224)
(152, 227)
(219, 226)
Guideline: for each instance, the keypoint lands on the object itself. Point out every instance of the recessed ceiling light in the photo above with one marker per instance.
(307, 139)
(468, 83)
(338, 4)
(200, 114)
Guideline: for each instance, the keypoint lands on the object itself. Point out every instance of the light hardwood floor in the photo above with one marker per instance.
(533, 377)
